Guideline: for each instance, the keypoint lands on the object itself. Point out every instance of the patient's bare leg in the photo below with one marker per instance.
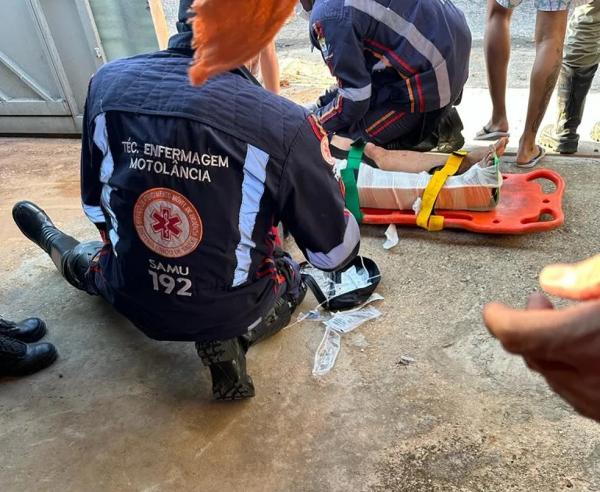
(409, 161)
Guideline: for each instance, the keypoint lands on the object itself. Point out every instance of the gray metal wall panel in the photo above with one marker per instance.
(39, 125)
(49, 49)
(21, 42)
(77, 57)
(125, 27)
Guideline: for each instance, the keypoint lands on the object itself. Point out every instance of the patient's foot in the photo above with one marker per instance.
(483, 156)
(375, 152)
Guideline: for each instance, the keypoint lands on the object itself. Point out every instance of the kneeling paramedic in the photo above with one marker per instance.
(185, 185)
(400, 65)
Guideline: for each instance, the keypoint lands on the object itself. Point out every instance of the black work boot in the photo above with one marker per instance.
(29, 330)
(35, 224)
(450, 137)
(573, 86)
(226, 360)
(19, 359)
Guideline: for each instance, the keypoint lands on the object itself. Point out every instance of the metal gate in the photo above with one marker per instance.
(41, 89)
(49, 49)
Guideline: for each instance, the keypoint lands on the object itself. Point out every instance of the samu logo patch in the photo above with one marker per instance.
(167, 222)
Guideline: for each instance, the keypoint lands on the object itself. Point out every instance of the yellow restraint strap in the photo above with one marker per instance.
(436, 183)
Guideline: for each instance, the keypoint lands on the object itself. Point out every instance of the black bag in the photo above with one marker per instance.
(347, 300)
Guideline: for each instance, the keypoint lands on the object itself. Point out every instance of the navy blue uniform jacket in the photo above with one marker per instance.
(408, 55)
(186, 183)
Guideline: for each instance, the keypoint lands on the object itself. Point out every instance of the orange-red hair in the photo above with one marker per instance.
(229, 33)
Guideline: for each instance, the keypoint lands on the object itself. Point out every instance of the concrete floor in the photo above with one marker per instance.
(120, 412)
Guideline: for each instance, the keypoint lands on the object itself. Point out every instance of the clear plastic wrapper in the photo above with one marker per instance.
(314, 315)
(335, 283)
(417, 205)
(372, 298)
(391, 237)
(327, 353)
(345, 322)
(335, 325)
(318, 314)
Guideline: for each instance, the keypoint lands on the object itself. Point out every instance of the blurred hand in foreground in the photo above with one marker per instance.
(562, 345)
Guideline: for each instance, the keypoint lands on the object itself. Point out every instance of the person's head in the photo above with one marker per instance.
(307, 4)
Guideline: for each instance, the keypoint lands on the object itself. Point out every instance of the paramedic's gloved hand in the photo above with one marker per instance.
(562, 345)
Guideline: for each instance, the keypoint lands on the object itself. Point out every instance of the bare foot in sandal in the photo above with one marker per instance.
(493, 131)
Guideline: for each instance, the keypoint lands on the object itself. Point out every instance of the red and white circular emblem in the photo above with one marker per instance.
(167, 222)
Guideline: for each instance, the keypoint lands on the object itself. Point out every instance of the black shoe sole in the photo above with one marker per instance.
(227, 363)
(238, 391)
(451, 146)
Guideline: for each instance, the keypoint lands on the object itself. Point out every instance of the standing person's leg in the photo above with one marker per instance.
(580, 62)
(550, 31)
(582, 45)
(497, 55)
(585, 54)
(269, 68)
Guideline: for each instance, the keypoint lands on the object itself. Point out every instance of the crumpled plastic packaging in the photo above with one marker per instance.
(319, 314)
(336, 325)
(345, 322)
(327, 352)
(391, 237)
(417, 205)
(335, 284)
(314, 315)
